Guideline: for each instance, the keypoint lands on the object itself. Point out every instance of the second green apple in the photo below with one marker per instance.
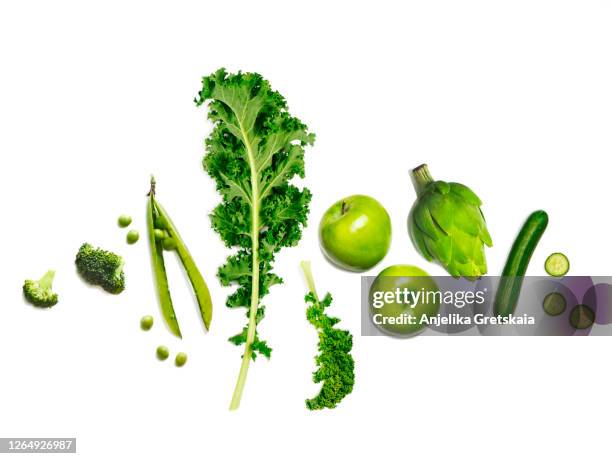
(355, 233)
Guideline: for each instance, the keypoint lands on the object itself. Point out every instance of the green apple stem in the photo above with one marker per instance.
(421, 178)
(344, 208)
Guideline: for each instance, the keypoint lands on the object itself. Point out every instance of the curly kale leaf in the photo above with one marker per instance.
(335, 365)
(255, 148)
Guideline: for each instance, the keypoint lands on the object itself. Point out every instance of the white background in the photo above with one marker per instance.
(511, 98)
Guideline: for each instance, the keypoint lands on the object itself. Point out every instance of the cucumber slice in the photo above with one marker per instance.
(557, 264)
(581, 317)
(554, 304)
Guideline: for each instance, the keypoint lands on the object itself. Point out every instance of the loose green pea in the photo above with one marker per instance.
(132, 237)
(162, 352)
(160, 234)
(180, 359)
(124, 221)
(146, 323)
(169, 243)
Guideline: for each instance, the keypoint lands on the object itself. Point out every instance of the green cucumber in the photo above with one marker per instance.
(510, 284)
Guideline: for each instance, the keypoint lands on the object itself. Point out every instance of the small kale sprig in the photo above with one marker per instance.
(252, 153)
(335, 365)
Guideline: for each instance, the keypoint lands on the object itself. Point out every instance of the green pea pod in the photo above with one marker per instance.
(195, 277)
(159, 272)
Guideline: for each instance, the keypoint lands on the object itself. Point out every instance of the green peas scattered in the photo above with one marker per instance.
(146, 323)
(132, 237)
(180, 359)
(124, 221)
(162, 352)
(159, 234)
(554, 304)
(169, 243)
(582, 316)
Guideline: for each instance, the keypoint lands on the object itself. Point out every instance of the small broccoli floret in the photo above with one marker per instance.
(39, 292)
(101, 267)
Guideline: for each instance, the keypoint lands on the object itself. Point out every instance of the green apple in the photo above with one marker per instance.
(355, 233)
(390, 309)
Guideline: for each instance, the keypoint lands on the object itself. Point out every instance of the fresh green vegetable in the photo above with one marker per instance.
(157, 212)
(335, 365)
(557, 264)
(447, 225)
(160, 224)
(169, 244)
(254, 150)
(124, 221)
(132, 237)
(581, 317)
(101, 267)
(159, 234)
(200, 288)
(159, 267)
(162, 352)
(146, 323)
(180, 359)
(509, 289)
(40, 292)
(554, 304)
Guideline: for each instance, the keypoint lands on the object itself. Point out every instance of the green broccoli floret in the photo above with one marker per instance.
(39, 292)
(101, 267)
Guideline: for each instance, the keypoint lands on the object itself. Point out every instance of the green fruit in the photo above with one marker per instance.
(446, 225)
(388, 313)
(355, 233)
(162, 352)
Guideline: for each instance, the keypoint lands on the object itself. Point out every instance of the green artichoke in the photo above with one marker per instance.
(447, 225)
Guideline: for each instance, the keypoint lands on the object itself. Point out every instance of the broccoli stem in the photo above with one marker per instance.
(46, 281)
(421, 178)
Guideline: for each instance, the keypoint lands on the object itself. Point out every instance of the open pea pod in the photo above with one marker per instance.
(159, 271)
(200, 288)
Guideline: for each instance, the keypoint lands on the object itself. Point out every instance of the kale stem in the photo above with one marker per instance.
(248, 351)
(309, 279)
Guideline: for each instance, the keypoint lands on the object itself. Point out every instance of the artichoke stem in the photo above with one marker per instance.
(421, 178)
